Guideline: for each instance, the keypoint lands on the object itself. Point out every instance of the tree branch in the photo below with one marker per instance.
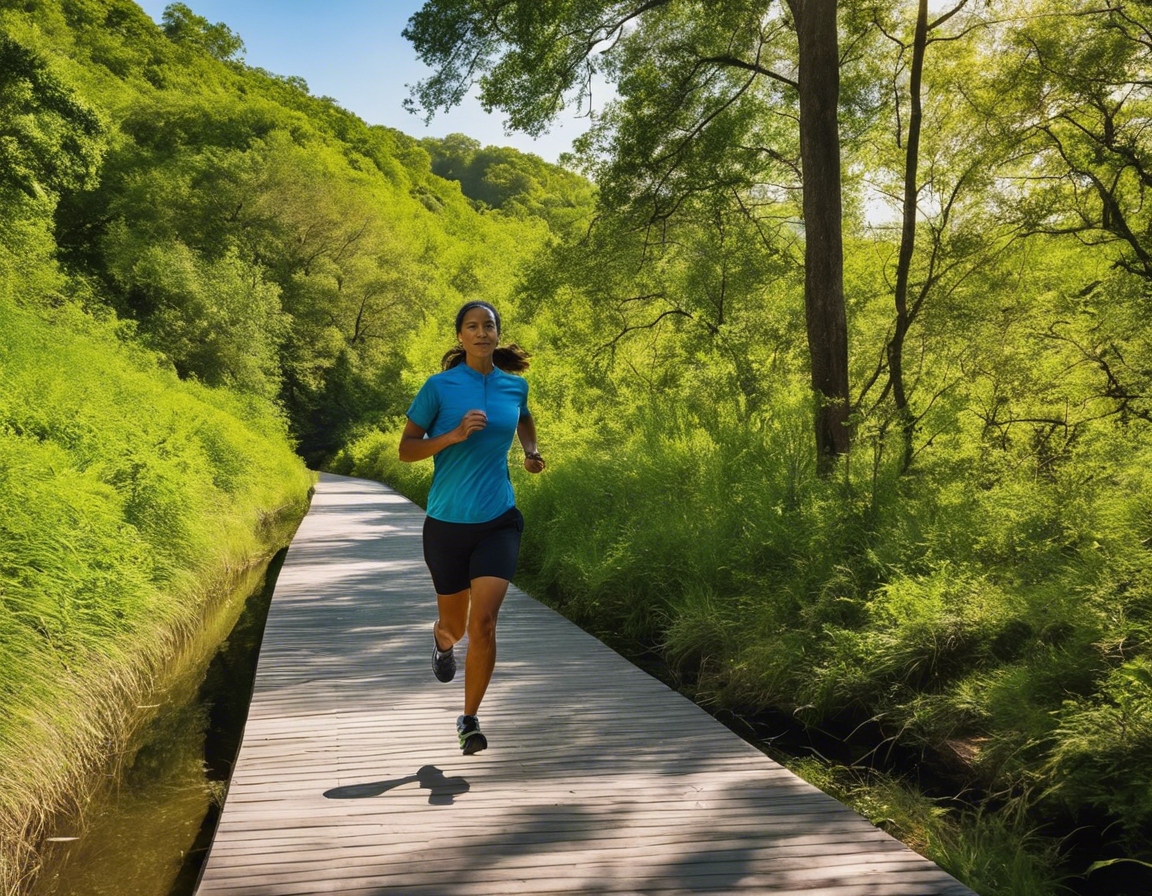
(648, 326)
(754, 67)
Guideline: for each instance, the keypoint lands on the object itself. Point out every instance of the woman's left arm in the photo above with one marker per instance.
(526, 431)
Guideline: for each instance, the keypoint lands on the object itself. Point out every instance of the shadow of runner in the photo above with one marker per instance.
(444, 790)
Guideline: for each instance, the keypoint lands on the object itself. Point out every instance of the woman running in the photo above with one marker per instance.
(465, 418)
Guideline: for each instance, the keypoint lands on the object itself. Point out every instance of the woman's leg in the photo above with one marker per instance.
(487, 596)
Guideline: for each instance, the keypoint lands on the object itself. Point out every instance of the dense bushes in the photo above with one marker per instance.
(995, 622)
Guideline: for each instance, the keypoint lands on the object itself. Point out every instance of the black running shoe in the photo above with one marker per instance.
(472, 739)
(443, 662)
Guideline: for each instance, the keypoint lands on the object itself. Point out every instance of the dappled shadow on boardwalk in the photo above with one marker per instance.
(590, 849)
(599, 778)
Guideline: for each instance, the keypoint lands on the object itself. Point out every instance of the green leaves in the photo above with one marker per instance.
(526, 57)
(218, 321)
(50, 139)
(1108, 863)
(1086, 75)
(512, 182)
(185, 27)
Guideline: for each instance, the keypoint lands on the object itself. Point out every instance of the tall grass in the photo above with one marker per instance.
(127, 499)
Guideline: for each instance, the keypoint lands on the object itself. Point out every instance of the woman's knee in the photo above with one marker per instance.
(487, 596)
(482, 623)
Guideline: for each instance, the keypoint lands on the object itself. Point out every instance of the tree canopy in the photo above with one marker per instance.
(183, 26)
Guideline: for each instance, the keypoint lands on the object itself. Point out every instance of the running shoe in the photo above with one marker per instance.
(472, 739)
(443, 661)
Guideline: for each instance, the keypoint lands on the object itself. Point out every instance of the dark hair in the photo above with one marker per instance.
(510, 357)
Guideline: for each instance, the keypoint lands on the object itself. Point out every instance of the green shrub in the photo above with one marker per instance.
(375, 455)
(996, 853)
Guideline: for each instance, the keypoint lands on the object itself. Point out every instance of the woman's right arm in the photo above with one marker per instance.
(414, 447)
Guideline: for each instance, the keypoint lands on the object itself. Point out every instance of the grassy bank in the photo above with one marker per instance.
(127, 500)
(169, 780)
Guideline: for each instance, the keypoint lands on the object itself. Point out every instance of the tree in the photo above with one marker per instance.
(691, 73)
(819, 89)
(1084, 77)
(51, 144)
(1087, 74)
(922, 37)
(452, 157)
(511, 182)
(183, 26)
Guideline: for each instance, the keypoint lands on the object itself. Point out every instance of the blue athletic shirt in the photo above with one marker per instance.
(470, 480)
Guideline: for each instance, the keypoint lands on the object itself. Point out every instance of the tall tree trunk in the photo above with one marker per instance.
(824, 244)
(908, 236)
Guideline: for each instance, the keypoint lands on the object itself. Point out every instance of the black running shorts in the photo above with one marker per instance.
(457, 553)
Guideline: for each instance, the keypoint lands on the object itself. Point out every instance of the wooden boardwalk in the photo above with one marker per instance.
(598, 779)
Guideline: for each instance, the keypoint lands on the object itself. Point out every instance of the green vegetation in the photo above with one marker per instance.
(130, 500)
(201, 263)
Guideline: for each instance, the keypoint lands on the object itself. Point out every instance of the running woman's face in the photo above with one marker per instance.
(478, 333)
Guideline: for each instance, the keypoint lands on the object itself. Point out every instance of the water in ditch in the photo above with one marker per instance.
(146, 828)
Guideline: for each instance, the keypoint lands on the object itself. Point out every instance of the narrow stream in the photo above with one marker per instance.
(146, 829)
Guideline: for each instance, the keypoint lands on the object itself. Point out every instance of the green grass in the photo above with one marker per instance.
(127, 500)
(996, 853)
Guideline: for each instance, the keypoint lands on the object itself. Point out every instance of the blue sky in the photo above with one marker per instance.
(352, 51)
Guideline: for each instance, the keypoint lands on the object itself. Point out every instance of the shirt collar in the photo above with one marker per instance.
(476, 374)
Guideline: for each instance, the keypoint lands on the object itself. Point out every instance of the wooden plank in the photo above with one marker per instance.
(599, 779)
